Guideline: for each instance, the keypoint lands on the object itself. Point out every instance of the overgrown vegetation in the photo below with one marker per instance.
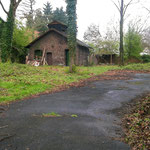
(72, 32)
(133, 43)
(145, 58)
(18, 81)
(137, 125)
(38, 19)
(137, 67)
(21, 38)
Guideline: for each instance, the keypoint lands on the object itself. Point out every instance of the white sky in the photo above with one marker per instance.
(99, 12)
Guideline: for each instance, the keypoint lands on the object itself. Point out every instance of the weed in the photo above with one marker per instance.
(52, 114)
(74, 116)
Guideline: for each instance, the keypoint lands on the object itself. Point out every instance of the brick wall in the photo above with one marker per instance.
(56, 44)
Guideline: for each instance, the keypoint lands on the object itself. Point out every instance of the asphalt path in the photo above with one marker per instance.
(90, 117)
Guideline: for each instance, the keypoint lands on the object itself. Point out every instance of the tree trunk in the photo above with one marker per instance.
(7, 33)
(121, 34)
(7, 36)
(72, 32)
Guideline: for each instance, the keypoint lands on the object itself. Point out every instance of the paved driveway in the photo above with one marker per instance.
(98, 122)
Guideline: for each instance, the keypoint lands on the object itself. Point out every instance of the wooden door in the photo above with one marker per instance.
(49, 59)
(67, 57)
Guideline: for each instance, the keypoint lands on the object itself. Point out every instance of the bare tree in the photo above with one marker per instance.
(92, 35)
(14, 3)
(28, 12)
(122, 8)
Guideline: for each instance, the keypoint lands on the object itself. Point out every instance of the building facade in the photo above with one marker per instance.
(52, 45)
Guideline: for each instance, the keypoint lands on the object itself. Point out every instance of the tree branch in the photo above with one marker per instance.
(147, 9)
(125, 8)
(3, 7)
(116, 5)
(119, 3)
(17, 4)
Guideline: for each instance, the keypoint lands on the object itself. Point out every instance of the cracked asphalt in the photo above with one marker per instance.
(97, 106)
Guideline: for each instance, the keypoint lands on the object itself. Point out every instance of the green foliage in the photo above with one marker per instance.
(21, 38)
(74, 116)
(137, 67)
(7, 35)
(74, 69)
(60, 15)
(2, 24)
(40, 22)
(133, 43)
(47, 11)
(40, 19)
(145, 58)
(1, 28)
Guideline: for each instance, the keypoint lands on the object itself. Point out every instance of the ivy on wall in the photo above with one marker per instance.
(72, 31)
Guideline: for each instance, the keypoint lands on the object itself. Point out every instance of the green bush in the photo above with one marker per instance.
(146, 58)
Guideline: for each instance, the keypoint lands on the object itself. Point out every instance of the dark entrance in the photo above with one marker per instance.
(67, 57)
(38, 54)
(49, 59)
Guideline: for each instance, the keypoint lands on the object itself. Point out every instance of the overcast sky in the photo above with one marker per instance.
(99, 12)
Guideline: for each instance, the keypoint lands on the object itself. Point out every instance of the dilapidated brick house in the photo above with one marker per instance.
(54, 44)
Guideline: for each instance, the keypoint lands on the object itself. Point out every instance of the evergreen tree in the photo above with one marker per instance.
(72, 32)
(40, 22)
(47, 11)
(1, 28)
(43, 18)
(60, 15)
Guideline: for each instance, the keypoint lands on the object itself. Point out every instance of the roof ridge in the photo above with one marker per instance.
(79, 42)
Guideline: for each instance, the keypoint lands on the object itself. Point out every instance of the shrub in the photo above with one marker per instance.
(146, 58)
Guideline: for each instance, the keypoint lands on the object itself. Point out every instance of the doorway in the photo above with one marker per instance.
(49, 58)
(67, 57)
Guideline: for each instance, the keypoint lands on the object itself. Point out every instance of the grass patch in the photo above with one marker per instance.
(138, 67)
(74, 116)
(137, 125)
(18, 81)
(52, 114)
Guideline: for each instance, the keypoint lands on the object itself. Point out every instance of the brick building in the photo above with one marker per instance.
(53, 44)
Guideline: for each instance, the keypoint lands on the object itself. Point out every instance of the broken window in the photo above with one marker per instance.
(38, 54)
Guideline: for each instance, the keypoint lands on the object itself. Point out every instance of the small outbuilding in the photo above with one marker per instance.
(51, 48)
